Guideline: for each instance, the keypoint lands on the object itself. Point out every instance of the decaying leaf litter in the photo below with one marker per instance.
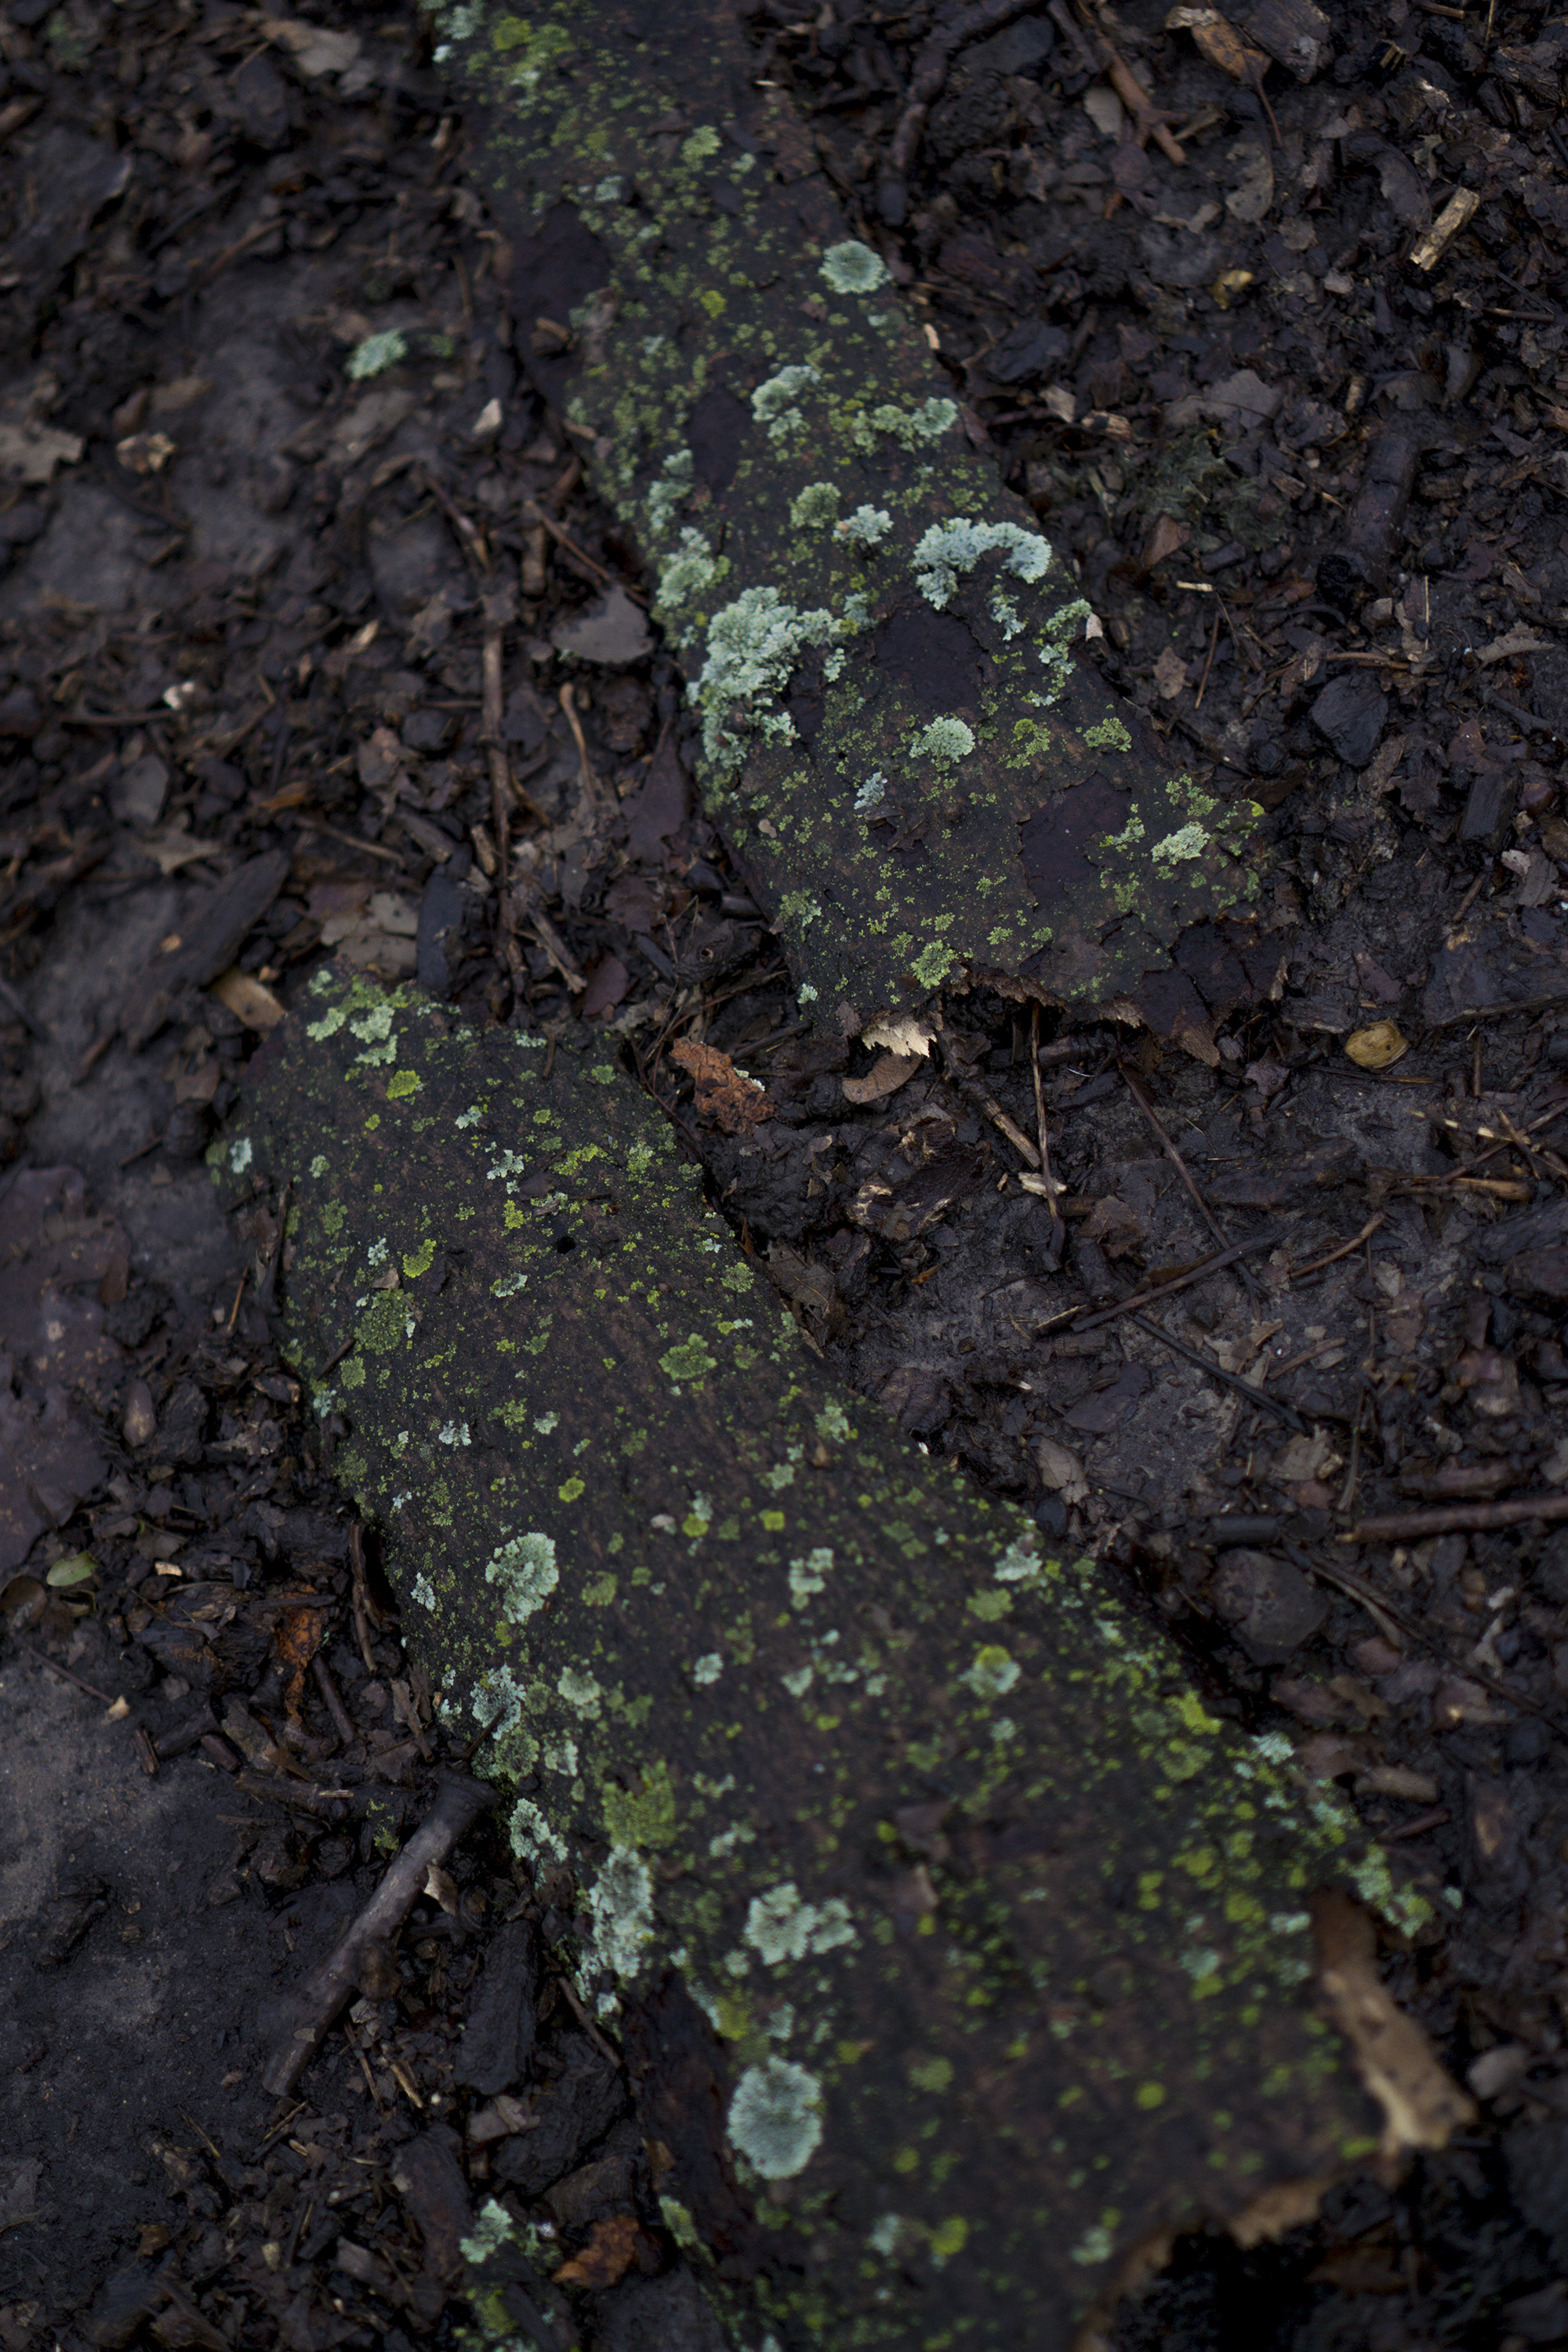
(1490, 1990)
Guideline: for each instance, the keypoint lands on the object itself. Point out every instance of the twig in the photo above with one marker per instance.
(1400, 1526)
(1471, 894)
(587, 777)
(360, 1597)
(335, 1706)
(1411, 1628)
(930, 77)
(325, 1992)
(601, 2041)
(1178, 1281)
(266, 1288)
(1344, 1250)
(349, 840)
(66, 1674)
(532, 513)
(1148, 119)
(1058, 1233)
(1208, 664)
(1516, 710)
(1216, 1228)
(1282, 1411)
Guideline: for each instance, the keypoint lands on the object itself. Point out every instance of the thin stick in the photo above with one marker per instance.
(1213, 647)
(601, 2041)
(325, 1991)
(1210, 1220)
(361, 1599)
(1399, 1527)
(1344, 1250)
(65, 1675)
(335, 1706)
(1178, 1282)
(1282, 1411)
(1058, 1235)
(534, 513)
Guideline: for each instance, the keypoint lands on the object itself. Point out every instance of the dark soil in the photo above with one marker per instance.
(243, 621)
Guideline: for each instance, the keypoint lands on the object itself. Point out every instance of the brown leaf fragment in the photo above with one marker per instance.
(1219, 43)
(1422, 2106)
(295, 1644)
(735, 1104)
(888, 1073)
(608, 2255)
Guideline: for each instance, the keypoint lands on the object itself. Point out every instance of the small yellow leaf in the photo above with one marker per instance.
(1377, 1047)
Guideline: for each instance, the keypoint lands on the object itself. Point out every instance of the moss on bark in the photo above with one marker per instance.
(878, 638)
(958, 1948)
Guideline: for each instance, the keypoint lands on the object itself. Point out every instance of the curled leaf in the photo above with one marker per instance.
(1376, 1047)
(735, 1103)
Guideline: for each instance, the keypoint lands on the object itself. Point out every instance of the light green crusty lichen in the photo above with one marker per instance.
(775, 2118)
(525, 1572)
(853, 269)
(376, 353)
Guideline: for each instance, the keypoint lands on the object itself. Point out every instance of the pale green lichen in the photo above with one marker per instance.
(908, 427)
(853, 269)
(620, 1905)
(993, 1674)
(676, 481)
(943, 741)
(815, 505)
(1110, 735)
(772, 402)
(1190, 842)
(534, 1839)
(867, 526)
(526, 1572)
(780, 1927)
(949, 550)
(871, 794)
(491, 2232)
(581, 1691)
(692, 567)
(754, 645)
(932, 964)
(775, 2118)
(376, 353)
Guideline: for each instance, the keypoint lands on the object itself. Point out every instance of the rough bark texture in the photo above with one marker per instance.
(921, 779)
(955, 1946)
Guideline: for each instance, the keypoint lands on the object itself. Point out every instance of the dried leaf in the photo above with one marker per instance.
(1111, 1223)
(1166, 535)
(736, 1105)
(1376, 1047)
(144, 452)
(608, 2255)
(888, 1073)
(1422, 2106)
(1061, 1471)
(295, 1644)
(906, 1034)
(1219, 42)
(1170, 672)
(442, 1888)
(31, 453)
(248, 999)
